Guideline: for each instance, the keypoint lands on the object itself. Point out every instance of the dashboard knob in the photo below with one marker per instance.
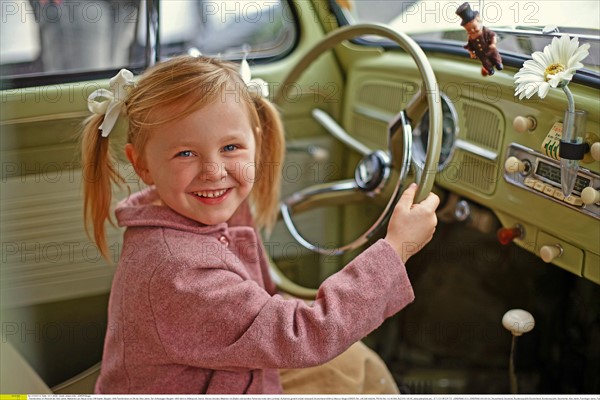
(507, 235)
(524, 124)
(518, 321)
(595, 151)
(462, 211)
(513, 165)
(550, 251)
(589, 195)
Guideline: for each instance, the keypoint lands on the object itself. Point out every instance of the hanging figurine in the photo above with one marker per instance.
(481, 42)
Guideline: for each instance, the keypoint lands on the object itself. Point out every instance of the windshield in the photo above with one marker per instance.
(522, 26)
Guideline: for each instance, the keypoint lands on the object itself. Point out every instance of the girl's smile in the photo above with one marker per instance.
(211, 194)
(211, 197)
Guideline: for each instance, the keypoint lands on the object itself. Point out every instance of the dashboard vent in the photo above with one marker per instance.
(476, 172)
(385, 96)
(482, 126)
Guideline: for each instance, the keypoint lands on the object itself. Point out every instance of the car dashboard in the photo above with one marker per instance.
(486, 128)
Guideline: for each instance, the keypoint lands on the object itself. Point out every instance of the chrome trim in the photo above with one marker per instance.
(46, 118)
(525, 32)
(474, 149)
(316, 190)
(304, 195)
(418, 150)
(152, 32)
(359, 172)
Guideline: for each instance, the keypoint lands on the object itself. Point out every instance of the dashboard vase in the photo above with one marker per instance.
(571, 148)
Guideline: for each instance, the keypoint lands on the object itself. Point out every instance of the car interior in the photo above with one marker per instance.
(370, 104)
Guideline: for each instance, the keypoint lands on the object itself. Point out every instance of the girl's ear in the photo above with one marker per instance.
(138, 164)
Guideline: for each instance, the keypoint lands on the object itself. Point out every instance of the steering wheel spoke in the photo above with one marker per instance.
(339, 133)
(324, 194)
(344, 192)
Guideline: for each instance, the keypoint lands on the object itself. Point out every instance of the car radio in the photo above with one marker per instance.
(540, 174)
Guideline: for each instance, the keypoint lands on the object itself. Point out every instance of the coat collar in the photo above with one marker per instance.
(143, 209)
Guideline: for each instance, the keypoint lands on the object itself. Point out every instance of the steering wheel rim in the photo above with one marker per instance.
(429, 96)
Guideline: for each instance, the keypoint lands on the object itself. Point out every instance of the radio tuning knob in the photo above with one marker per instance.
(524, 124)
(550, 251)
(589, 195)
(513, 165)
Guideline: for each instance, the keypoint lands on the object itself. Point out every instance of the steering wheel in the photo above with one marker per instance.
(377, 167)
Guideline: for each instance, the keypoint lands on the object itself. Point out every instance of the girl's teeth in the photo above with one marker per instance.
(211, 194)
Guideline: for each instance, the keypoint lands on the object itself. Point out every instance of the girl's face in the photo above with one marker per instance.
(203, 165)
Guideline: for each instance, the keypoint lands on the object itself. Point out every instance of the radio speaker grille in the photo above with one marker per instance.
(370, 131)
(385, 96)
(482, 126)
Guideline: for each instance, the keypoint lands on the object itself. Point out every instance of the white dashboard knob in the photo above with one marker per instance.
(518, 321)
(550, 251)
(589, 195)
(524, 124)
(513, 165)
(595, 151)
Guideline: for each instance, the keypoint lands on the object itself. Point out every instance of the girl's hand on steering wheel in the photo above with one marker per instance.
(412, 226)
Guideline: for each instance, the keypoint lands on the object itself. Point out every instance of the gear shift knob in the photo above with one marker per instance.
(518, 321)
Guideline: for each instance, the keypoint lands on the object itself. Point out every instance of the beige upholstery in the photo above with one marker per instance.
(18, 377)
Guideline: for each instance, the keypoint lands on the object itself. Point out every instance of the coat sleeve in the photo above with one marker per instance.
(218, 319)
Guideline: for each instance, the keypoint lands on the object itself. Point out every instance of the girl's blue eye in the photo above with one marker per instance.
(185, 153)
(230, 147)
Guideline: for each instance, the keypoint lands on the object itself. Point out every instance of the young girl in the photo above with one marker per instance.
(192, 307)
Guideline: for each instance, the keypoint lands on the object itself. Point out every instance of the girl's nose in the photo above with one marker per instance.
(213, 171)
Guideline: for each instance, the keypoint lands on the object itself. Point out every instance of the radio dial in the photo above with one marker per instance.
(595, 151)
(589, 195)
(513, 165)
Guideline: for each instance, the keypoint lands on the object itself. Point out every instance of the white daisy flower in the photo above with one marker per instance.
(555, 66)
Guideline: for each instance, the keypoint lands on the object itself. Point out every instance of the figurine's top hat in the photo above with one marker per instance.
(465, 12)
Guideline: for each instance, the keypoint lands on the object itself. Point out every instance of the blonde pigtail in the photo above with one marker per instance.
(271, 152)
(99, 172)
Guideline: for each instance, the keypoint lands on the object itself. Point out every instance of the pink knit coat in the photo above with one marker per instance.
(193, 309)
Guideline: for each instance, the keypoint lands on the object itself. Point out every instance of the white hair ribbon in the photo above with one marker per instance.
(109, 102)
(257, 86)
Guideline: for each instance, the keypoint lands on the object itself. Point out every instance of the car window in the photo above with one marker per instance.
(264, 29)
(57, 36)
(42, 37)
(523, 26)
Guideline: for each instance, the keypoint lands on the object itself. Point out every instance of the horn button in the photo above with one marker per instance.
(372, 171)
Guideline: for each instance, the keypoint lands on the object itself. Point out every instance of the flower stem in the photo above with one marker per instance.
(570, 99)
